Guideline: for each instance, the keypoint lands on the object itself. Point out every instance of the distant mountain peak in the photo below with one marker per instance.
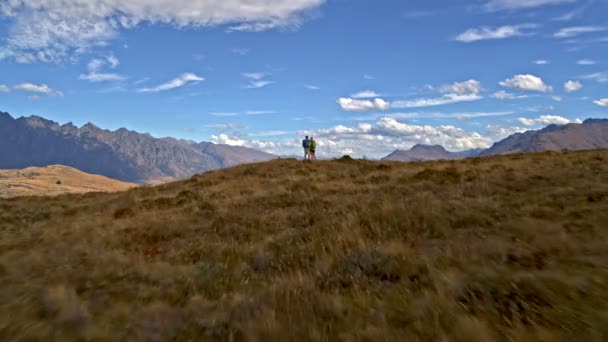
(595, 121)
(592, 134)
(428, 147)
(90, 127)
(421, 152)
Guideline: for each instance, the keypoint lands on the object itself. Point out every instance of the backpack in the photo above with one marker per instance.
(305, 143)
(313, 145)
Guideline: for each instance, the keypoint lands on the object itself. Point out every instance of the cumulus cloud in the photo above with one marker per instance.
(602, 102)
(494, 33)
(96, 73)
(54, 30)
(365, 94)
(387, 134)
(312, 87)
(569, 32)
(175, 83)
(503, 95)
(572, 86)
(40, 89)
(545, 120)
(500, 132)
(462, 88)
(4, 89)
(526, 82)
(353, 105)
(500, 5)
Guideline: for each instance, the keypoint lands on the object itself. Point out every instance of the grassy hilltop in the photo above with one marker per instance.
(500, 248)
(55, 180)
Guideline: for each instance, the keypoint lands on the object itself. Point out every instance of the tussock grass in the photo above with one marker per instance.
(500, 248)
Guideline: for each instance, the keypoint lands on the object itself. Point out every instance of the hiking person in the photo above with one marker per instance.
(306, 146)
(313, 148)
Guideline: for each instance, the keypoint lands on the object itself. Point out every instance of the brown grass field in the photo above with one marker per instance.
(508, 248)
(55, 180)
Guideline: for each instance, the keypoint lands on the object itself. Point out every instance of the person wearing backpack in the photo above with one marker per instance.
(313, 148)
(306, 146)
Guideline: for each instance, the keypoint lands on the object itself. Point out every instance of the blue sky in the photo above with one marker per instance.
(364, 77)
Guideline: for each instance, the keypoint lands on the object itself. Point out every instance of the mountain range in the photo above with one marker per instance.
(589, 135)
(430, 152)
(122, 154)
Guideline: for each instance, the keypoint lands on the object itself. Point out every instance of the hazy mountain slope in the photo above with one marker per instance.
(427, 152)
(504, 248)
(122, 154)
(591, 134)
(55, 180)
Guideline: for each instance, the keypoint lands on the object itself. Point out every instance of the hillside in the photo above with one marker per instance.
(428, 153)
(500, 248)
(591, 134)
(122, 154)
(54, 180)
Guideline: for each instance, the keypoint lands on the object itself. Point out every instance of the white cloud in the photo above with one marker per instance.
(572, 86)
(462, 88)
(102, 77)
(249, 112)
(387, 134)
(526, 82)
(602, 102)
(41, 89)
(541, 62)
(226, 139)
(229, 126)
(224, 113)
(500, 5)
(365, 94)
(490, 33)
(500, 132)
(453, 93)
(256, 76)
(368, 77)
(55, 30)
(259, 112)
(545, 120)
(503, 95)
(269, 134)
(4, 89)
(575, 13)
(95, 70)
(586, 62)
(175, 83)
(363, 105)
(258, 84)
(312, 87)
(437, 101)
(256, 80)
(601, 77)
(557, 98)
(570, 32)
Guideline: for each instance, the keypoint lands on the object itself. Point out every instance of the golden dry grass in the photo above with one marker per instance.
(55, 180)
(508, 248)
